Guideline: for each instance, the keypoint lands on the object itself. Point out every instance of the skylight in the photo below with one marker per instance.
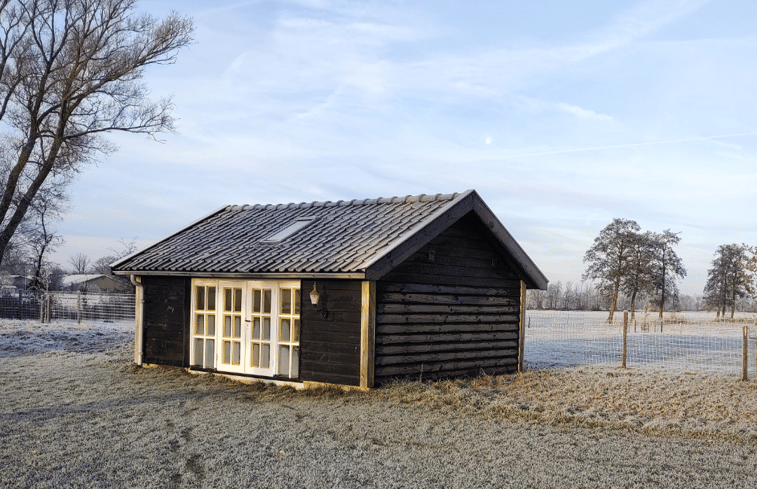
(289, 230)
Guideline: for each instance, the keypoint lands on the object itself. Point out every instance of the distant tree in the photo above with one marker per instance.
(730, 278)
(610, 258)
(69, 73)
(102, 265)
(553, 295)
(665, 267)
(638, 281)
(80, 263)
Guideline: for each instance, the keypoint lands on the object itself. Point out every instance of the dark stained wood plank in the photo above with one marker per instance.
(447, 356)
(441, 338)
(392, 329)
(509, 288)
(433, 347)
(395, 370)
(447, 280)
(443, 318)
(448, 310)
(457, 300)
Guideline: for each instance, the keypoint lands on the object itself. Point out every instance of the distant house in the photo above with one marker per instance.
(351, 293)
(18, 281)
(93, 283)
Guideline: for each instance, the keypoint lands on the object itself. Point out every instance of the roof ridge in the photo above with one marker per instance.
(353, 202)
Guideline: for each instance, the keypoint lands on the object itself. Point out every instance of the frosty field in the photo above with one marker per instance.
(685, 342)
(76, 413)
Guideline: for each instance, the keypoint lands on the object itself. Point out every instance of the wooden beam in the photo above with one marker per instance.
(368, 334)
(522, 326)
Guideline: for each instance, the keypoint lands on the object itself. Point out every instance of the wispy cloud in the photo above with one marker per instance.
(583, 113)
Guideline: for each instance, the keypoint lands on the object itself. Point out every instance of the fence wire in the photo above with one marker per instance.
(76, 306)
(683, 342)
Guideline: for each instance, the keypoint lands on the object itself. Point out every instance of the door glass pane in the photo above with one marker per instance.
(227, 299)
(256, 328)
(296, 301)
(256, 300)
(285, 295)
(200, 298)
(227, 326)
(200, 324)
(267, 301)
(226, 352)
(265, 357)
(295, 362)
(211, 325)
(210, 353)
(284, 360)
(237, 300)
(296, 332)
(198, 351)
(211, 298)
(235, 358)
(284, 330)
(237, 327)
(266, 328)
(255, 355)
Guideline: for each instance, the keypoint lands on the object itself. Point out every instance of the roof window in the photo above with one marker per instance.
(292, 228)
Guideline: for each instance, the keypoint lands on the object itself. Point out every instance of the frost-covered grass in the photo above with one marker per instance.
(76, 413)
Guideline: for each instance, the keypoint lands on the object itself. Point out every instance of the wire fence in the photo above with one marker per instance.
(684, 342)
(76, 306)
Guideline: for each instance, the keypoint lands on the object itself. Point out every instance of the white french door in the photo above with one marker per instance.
(257, 331)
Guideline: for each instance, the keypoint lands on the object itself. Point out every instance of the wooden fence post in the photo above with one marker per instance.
(625, 336)
(745, 355)
(78, 307)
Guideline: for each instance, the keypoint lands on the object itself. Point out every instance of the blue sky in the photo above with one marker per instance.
(562, 115)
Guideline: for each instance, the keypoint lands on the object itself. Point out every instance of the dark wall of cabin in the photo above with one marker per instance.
(166, 316)
(330, 347)
(450, 309)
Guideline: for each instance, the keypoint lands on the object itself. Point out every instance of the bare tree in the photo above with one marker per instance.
(80, 263)
(730, 278)
(40, 237)
(638, 280)
(610, 257)
(666, 266)
(70, 72)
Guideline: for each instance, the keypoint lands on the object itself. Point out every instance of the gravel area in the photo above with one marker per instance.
(85, 417)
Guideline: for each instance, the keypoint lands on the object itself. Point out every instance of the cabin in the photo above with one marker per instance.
(349, 293)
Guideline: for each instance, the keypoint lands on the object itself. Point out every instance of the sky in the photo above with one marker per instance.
(562, 115)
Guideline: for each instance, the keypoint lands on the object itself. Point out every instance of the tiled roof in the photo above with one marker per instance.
(358, 237)
(344, 237)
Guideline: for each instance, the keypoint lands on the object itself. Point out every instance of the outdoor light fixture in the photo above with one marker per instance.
(314, 298)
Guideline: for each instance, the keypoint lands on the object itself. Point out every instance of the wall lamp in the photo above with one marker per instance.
(315, 297)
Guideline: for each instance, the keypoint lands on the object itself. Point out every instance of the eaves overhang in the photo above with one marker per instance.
(248, 276)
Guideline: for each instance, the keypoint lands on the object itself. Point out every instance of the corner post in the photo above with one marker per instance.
(139, 317)
(522, 326)
(367, 333)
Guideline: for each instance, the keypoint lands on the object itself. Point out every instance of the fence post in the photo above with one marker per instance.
(625, 336)
(78, 307)
(745, 355)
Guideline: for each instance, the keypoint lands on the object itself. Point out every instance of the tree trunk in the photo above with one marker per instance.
(633, 304)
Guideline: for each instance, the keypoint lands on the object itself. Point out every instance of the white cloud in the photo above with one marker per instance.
(583, 113)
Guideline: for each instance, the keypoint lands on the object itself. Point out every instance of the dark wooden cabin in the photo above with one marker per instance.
(428, 285)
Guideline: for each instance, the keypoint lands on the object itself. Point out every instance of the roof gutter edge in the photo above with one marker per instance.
(231, 275)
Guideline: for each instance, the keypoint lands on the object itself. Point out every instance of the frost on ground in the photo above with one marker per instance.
(76, 413)
(22, 337)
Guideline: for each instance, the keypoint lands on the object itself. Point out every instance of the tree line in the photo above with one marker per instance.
(627, 267)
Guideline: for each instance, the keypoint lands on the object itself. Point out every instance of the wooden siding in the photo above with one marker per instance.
(166, 323)
(330, 347)
(451, 309)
